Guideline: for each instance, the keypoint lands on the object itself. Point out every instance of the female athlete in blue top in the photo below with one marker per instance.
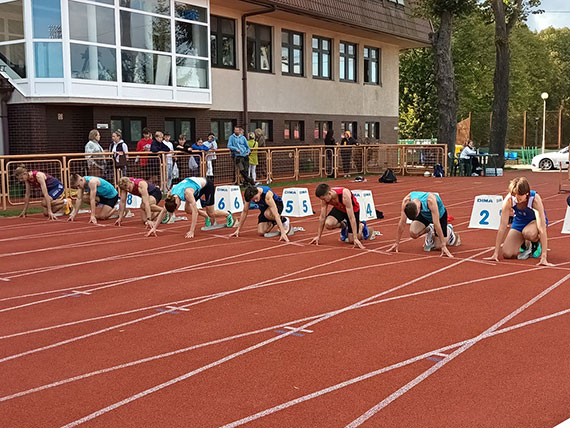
(529, 225)
(271, 207)
(189, 191)
(422, 208)
(98, 193)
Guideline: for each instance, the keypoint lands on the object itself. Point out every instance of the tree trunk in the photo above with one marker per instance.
(501, 84)
(445, 81)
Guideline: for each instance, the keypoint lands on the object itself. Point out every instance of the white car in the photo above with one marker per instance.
(551, 160)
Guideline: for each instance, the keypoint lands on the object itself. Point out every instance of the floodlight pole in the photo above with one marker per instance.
(544, 97)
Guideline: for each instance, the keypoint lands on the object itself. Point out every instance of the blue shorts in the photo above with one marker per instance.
(520, 223)
(56, 191)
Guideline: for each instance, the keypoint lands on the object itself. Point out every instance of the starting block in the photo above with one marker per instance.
(366, 202)
(566, 225)
(212, 227)
(228, 198)
(486, 213)
(296, 202)
(134, 201)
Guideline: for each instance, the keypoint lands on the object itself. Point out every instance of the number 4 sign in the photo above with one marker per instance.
(366, 202)
(486, 213)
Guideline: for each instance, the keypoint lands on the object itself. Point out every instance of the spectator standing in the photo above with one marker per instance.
(119, 149)
(95, 164)
(253, 160)
(212, 145)
(329, 143)
(261, 157)
(240, 150)
(346, 152)
(169, 158)
(144, 146)
(182, 149)
(198, 147)
(157, 146)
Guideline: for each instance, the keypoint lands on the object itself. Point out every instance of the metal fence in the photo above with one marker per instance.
(274, 163)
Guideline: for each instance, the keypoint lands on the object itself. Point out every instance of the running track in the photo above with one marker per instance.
(103, 327)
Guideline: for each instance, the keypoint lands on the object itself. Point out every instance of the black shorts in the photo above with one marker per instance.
(340, 216)
(156, 194)
(442, 221)
(109, 201)
(208, 192)
(262, 219)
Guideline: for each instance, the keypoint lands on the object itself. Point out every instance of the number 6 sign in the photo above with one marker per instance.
(486, 213)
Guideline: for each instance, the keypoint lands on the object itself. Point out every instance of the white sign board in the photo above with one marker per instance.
(366, 202)
(296, 202)
(486, 213)
(228, 198)
(133, 201)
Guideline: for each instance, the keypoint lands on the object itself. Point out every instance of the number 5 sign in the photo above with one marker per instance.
(296, 202)
(486, 213)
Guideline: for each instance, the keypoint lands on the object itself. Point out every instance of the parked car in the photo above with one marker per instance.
(551, 160)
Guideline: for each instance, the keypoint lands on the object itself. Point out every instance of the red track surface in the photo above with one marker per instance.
(67, 357)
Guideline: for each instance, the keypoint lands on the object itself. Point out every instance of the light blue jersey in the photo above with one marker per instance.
(187, 183)
(425, 211)
(104, 189)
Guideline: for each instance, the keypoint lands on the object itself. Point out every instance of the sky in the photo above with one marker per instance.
(556, 20)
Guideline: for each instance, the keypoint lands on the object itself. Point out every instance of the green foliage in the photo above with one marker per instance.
(432, 9)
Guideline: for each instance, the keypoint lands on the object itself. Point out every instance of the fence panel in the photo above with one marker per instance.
(310, 162)
(382, 157)
(148, 166)
(329, 161)
(16, 190)
(419, 159)
(283, 164)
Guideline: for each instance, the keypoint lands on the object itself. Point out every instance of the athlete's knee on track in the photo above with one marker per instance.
(331, 223)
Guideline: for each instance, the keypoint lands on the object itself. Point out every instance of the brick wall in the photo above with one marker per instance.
(40, 128)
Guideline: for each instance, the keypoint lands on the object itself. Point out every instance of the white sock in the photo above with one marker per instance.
(450, 234)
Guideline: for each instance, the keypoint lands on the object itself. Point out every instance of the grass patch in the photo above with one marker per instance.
(16, 213)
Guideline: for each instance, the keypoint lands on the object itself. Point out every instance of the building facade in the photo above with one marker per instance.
(295, 68)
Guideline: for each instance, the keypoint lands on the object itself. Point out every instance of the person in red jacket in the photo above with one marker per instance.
(144, 146)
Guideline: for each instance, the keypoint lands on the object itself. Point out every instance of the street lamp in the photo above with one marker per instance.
(544, 96)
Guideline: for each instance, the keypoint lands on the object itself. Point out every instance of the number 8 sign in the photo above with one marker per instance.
(486, 212)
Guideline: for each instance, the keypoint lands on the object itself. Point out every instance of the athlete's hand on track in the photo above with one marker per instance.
(92, 219)
(315, 241)
(71, 218)
(445, 252)
(235, 234)
(395, 248)
(358, 243)
(148, 224)
(494, 258)
(51, 216)
(189, 235)
(284, 237)
(151, 232)
(22, 214)
(544, 262)
(118, 222)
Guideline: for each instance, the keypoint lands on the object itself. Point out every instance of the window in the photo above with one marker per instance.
(12, 55)
(160, 7)
(372, 130)
(175, 127)
(191, 73)
(321, 129)
(322, 57)
(347, 62)
(190, 12)
(93, 62)
(146, 68)
(292, 53)
(191, 39)
(349, 126)
(46, 19)
(265, 125)
(222, 41)
(145, 31)
(259, 48)
(371, 65)
(49, 59)
(91, 23)
(222, 129)
(131, 128)
(294, 130)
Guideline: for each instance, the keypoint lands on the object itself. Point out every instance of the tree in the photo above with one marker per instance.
(442, 13)
(505, 14)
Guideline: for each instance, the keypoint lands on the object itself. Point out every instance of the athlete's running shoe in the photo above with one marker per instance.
(343, 231)
(523, 255)
(536, 249)
(454, 239)
(286, 224)
(429, 243)
(208, 222)
(229, 220)
(365, 231)
(166, 218)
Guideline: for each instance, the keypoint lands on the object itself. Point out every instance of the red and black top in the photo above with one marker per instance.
(339, 205)
(136, 182)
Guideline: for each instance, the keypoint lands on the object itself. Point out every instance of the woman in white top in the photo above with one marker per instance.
(212, 145)
(119, 149)
(95, 164)
(467, 157)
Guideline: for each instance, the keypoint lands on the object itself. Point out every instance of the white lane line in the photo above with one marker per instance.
(252, 348)
(215, 296)
(383, 370)
(302, 331)
(395, 395)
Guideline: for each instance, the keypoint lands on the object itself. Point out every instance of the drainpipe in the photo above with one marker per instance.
(6, 90)
(244, 59)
